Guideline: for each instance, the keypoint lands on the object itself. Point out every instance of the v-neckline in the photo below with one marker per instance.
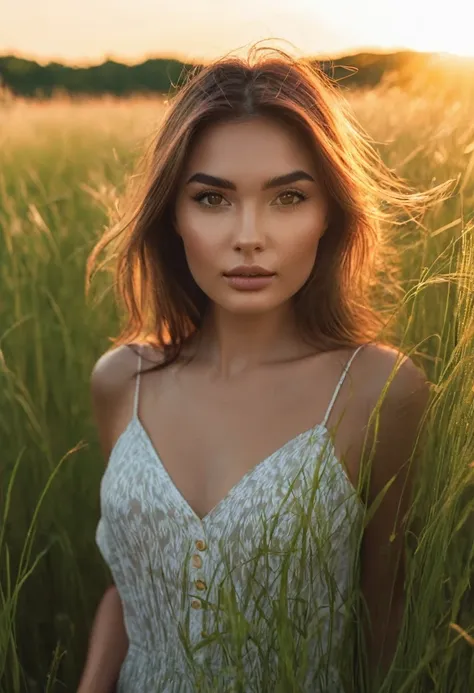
(233, 489)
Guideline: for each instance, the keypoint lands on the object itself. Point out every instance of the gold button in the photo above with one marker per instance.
(196, 603)
(200, 584)
(200, 545)
(197, 561)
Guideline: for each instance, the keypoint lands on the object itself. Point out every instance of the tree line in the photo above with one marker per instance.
(27, 78)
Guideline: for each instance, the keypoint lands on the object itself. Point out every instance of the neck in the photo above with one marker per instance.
(232, 345)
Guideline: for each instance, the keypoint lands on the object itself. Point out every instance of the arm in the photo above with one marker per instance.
(108, 643)
(108, 646)
(383, 545)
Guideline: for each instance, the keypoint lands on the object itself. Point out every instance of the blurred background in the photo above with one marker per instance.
(83, 86)
(121, 47)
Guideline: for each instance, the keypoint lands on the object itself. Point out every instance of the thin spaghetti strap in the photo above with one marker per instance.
(339, 385)
(137, 385)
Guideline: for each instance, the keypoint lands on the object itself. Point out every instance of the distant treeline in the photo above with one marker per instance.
(28, 78)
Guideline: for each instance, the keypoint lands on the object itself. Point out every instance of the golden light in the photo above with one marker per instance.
(436, 27)
(140, 28)
(439, 40)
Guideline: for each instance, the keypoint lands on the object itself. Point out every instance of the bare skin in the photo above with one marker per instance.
(253, 383)
(236, 424)
(108, 645)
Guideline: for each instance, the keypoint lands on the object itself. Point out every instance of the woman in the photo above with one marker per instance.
(236, 405)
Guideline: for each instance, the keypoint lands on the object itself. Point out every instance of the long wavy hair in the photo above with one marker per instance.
(164, 306)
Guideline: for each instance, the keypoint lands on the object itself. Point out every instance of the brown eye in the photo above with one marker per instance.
(213, 199)
(287, 199)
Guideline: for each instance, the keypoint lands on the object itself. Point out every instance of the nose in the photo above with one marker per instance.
(249, 233)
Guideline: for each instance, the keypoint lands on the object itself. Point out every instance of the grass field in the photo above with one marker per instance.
(62, 167)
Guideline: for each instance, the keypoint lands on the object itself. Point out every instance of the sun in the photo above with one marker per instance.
(441, 40)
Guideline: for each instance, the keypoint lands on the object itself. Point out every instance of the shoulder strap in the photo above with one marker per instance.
(339, 385)
(137, 385)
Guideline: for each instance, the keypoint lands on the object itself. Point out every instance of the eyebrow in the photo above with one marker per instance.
(274, 182)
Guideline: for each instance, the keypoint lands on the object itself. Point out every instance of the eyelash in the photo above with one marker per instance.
(201, 195)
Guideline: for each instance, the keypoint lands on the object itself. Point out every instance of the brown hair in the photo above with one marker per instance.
(334, 308)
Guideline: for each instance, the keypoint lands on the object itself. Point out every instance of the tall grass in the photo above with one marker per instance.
(63, 165)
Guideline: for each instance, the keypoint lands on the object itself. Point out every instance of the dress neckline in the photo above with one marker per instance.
(320, 428)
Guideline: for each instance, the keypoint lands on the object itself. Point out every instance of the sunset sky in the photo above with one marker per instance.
(86, 31)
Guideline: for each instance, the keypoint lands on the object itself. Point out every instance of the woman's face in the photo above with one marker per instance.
(231, 210)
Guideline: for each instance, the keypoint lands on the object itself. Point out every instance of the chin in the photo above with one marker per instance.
(248, 303)
(249, 310)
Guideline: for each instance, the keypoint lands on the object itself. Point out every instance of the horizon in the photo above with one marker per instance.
(92, 33)
(167, 56)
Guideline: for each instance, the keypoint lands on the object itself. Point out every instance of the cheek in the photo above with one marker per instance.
(298, 264)
(201, 245)
(299, 248)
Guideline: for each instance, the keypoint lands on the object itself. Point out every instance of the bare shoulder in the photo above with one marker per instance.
(387, 369)
(112, 385)
(400, 390)
(113, 370)
(397, 394)
(118, 366)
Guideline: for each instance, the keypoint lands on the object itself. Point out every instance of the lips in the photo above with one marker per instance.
(249, 271)
(247, 282)
(246, 274)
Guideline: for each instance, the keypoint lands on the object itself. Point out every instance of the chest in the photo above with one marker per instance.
(208, 437)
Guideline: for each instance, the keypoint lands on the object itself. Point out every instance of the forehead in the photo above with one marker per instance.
(249, 146)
